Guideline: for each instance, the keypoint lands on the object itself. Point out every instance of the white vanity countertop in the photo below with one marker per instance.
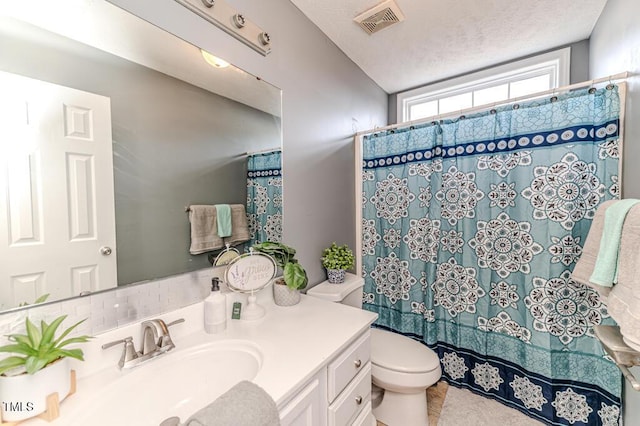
(295, 343)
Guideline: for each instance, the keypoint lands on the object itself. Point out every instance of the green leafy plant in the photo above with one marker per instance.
(40, 299)
(294, 275)
(337, 257)
(39, 347)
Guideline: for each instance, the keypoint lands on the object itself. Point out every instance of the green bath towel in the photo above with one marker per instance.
(605, 272)
(223, 216)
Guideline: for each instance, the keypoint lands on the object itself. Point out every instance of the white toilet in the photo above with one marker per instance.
(401, 368)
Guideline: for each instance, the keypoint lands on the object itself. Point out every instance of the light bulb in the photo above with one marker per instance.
(214, 61)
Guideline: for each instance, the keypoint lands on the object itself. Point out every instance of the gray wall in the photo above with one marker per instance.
(579, 71)
(614, 48)
(325, 98)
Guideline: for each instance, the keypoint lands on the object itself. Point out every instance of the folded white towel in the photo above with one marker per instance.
(239, 225)
(605, 272)
(629, 256)
(624, 299)
(204, 229)
(245, 404)
(587, 262)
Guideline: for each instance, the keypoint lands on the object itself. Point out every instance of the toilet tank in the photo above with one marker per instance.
(348, 293)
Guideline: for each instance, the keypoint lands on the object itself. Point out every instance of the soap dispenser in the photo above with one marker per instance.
(215, 309)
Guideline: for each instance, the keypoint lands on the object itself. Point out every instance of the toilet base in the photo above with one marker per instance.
(403, 409)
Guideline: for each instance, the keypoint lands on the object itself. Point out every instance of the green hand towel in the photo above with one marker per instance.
(223, 215)
(605, 272)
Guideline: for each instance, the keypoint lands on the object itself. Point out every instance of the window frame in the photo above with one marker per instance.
(556, 64)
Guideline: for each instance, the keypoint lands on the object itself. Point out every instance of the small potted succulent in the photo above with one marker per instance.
(38, 367)
(286, 289)
(337, 259)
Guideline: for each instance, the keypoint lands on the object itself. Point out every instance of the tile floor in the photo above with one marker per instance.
(478, 411)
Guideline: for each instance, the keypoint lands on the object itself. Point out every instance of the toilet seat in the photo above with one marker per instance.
(401, 354)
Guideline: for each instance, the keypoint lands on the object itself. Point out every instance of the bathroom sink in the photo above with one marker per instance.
(176, 384)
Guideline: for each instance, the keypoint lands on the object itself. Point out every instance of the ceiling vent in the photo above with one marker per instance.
(379, 17)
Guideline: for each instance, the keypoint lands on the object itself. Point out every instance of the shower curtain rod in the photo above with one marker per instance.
(610, 79)
(263, 151)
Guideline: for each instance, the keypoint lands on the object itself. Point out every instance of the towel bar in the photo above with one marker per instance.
(630, 377)
(623, 355)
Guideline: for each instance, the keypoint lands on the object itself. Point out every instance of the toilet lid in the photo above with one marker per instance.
(400, 353)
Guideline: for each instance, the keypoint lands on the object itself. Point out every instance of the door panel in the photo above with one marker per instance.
(56, 168)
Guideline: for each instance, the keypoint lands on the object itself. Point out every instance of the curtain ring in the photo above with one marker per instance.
(592, 90)
(554, 98)
(412, 127)
(516, 106)
(609, 86)
(493, 111)
(462, 117)
(433, 123)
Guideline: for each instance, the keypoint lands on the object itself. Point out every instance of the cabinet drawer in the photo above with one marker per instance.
(352, 400)
(365, 418)
(344, 368)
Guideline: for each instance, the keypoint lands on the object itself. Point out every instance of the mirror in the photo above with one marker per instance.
(178, 129)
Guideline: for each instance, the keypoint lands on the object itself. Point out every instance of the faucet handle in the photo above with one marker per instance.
(117, 342)
(165, 343)
(178, 321)
(128, 353)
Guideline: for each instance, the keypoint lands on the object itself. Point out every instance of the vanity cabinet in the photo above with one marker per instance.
(349, 382)
(339, 395)
(309, 406)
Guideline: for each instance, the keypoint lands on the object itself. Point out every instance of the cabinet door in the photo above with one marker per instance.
(309, 406)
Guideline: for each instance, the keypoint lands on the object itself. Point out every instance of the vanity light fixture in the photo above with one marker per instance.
(239, 20)
(264, 38)
(225, 17)
(214, 61)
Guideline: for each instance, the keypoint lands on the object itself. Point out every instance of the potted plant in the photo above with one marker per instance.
(294, 277)
(337, 259)
(38, 367)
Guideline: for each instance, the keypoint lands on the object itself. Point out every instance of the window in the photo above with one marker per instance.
(521, 78)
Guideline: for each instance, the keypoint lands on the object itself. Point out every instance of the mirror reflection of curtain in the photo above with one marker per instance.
(264, 196)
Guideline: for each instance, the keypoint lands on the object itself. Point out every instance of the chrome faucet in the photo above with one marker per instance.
(155, 339)
(149, 337)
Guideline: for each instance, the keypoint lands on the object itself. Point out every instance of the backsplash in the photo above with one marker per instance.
(116, 308)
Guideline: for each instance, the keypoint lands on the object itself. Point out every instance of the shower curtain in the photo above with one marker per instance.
(471, 228)
(264, 196)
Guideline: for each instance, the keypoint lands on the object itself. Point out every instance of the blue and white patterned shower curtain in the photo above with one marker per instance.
(471, 228)
(264, 196)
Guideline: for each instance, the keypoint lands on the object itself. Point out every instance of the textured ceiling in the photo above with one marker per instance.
(442, 39)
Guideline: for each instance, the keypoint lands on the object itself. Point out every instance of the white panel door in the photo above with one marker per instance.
(57, 215)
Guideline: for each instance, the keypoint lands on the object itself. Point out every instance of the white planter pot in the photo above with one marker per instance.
(26, 395)
(284, 296)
